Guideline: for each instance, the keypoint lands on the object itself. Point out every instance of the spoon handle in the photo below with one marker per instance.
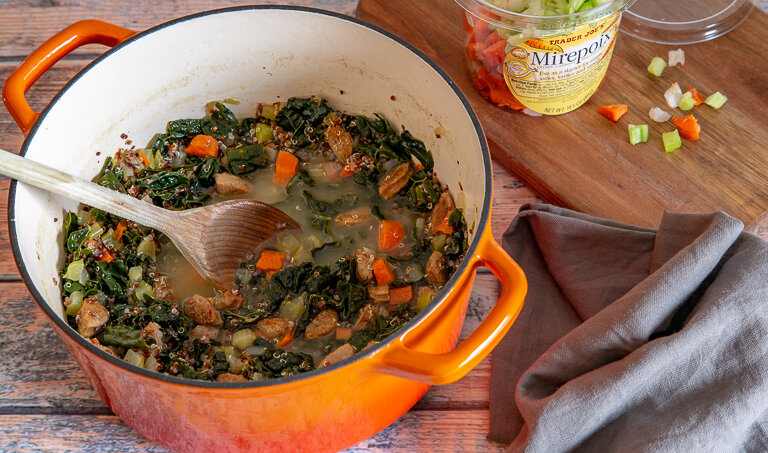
(78, 189)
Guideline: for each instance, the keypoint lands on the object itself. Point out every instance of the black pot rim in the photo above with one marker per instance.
(193, 383)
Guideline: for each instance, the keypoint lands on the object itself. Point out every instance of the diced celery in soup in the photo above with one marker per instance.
(380, 236)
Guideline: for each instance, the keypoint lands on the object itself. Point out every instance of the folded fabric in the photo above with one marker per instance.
(634, 339)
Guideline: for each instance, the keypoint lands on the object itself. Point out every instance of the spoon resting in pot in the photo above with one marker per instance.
(215, 239)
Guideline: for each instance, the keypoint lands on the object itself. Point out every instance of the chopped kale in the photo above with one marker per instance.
(300, 117)
(382, 327)
(76, 239)
(318, 206)
(246, 317)
(246, 159)
(423, 193)
(279, 363)
(125, 336)
(220, 123)
(302, 178)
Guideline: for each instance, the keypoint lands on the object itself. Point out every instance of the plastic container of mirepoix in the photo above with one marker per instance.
(548, 56)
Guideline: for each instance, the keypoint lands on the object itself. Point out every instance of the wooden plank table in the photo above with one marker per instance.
(46, 403)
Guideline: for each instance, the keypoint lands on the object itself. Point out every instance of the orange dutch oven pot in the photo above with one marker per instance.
(255, 54)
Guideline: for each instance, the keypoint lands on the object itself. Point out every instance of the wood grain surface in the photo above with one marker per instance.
(584, 161)
(45, 402)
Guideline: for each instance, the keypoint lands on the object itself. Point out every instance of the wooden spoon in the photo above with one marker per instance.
(215, 239)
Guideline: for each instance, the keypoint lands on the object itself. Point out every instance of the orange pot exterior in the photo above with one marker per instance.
(324, 410)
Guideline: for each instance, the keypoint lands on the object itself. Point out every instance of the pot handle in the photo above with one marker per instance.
(45, 56)
(437, 369)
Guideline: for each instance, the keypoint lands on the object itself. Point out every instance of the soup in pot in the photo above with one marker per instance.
(380, 236)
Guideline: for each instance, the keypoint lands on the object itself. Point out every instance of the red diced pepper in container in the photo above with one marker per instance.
(492, 38)
(494, 54)
(504, 97)
(480, 32)
(475, 51)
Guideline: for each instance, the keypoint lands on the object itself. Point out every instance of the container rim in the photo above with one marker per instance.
(61, 325)
(485, 10)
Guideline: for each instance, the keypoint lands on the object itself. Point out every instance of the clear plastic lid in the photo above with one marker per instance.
(684, 21)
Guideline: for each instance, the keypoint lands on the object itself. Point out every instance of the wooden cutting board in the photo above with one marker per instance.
(584, 161)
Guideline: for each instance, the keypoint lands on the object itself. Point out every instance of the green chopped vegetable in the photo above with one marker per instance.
(687, 102)
(75, 302)
(301, 255)
(269, 112)
(671, 141)
(134, 358)
(75, 270)
(147, 247)
(292, 308)
(263, 133)
(95, 231)
(143, 291)
(135, 273)
(423, 300)
(549, 7)
(657, 66)
(438, 242)
(638, 133)
(288, 243)
(715, 100)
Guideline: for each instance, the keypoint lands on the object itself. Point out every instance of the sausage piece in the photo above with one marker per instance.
(161, 289)
(354, 217)
(443, 207)
(229, 377)
(201, 310)
(344, 351)
(228, 184)
(395, 181)
(228, 300)
(323, 324)
(364, 258)
(155, 332)
(364, 317)
(274, 328)
(91, 318)
(436, 269)
(201, 331)
(379, 293)
(340, 142)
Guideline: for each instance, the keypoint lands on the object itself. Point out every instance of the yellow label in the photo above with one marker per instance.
(557, 74)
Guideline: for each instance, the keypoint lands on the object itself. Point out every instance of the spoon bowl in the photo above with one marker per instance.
(218, 237)
(215, 239)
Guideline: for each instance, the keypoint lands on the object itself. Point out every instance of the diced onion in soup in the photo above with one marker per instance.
(243, 338)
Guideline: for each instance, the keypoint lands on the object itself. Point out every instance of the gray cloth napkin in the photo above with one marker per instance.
(634, 339)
